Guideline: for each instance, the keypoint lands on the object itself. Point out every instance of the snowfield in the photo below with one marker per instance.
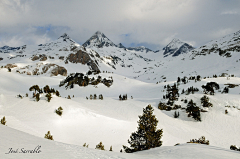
(110, 120)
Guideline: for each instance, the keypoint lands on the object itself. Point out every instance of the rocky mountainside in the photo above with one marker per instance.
(176, 47)
(225, 46)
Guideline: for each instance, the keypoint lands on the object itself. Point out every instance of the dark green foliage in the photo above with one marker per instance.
(59, 111)
(26, 95)
(226, 112)
(101, 96)
(176, 114)
(82, 80)
(48, 136)
(46, 89)
(193, 110)
(100, 146)
(205, 101)
(191, 90)
(49, 97)
(225, 90)
(209, 87)
(201, 140)
(37, 97)
(147, 136)
(34, 88)
(234, 147)
(3, 121)
(57, 93)
(94, 96)
(68, 97)
(172, 94)
(110, 148)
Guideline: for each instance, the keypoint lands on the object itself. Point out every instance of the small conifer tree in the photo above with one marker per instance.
(37, 97)
(48, 136)
(100, 146)
(147, 136)
(59, 111)
(46, 89)
(49, 97)
(3, 121)
(176, 114)
(110, 148)
(57, 93)
(34, 88)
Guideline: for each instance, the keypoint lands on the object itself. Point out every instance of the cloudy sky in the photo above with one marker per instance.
(152, 23)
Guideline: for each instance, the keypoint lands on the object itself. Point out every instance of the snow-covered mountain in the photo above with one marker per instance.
(225, 46)
(176, 47)
(99, 40)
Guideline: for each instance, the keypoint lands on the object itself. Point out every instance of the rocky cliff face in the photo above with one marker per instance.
(83, 58)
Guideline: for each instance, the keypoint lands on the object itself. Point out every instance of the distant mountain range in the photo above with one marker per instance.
(100, 54)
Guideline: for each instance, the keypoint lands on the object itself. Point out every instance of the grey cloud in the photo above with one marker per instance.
(150, 22)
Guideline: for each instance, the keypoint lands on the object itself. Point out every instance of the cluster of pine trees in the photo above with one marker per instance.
(47, 90)
(84, 80)
(193, 110)
(201, 140)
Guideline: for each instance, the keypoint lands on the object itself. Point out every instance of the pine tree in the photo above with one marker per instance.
(110, 148)
(100, 146)
(3, 121)
(193, 110)
(147, 136)
(46, 89)
(37, 97)
(57, 93)
(48, 136)
(49, 97)
(35, 88)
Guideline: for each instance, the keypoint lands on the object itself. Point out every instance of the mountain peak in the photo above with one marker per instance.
(98, 39)
(176, 47)
(64, 36)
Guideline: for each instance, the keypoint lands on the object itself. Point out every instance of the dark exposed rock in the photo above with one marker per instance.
(83, 58)
(10, 66)
(1, 58)
(59, 70)
(42, 57)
